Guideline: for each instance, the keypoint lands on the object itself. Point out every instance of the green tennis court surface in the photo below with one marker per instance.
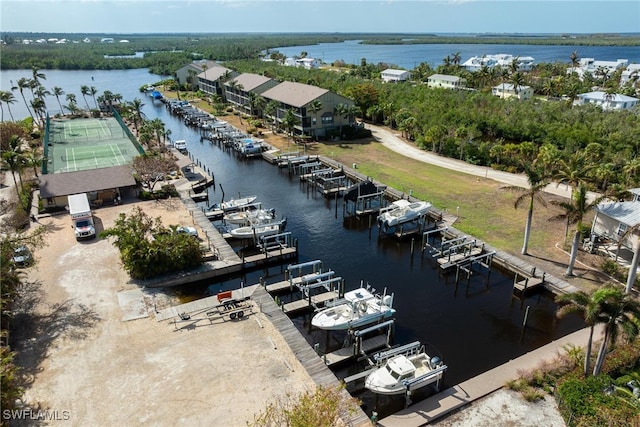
(88, 143)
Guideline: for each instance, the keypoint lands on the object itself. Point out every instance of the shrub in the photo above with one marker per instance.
(610, 267)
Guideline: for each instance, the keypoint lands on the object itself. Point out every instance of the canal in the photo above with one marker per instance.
(473, 327)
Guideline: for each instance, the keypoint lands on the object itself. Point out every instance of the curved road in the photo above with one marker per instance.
(395, 143)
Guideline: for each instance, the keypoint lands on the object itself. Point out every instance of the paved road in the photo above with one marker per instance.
(395, 143)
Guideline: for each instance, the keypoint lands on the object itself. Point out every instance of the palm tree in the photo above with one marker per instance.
(57, 92)
(581, 303)
(271, 109)
(455, 59)
(23, 83)
(40, 109)
(93, 91)
(313, 108)
(537, 181)
(619, 313)
(575, 60)
(136, 110)
(13, 158)
(37, 75)
(84, 89)
(289, 122)
(34, 160)
(7, 97)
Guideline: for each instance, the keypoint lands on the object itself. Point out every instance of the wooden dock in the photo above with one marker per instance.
(344, 354)
(453, 259)
(313, 302)
(527, 284)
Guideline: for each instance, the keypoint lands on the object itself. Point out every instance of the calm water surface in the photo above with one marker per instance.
(473, 329)
(410, 56)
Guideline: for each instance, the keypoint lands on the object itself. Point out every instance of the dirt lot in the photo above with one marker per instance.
(83, 361)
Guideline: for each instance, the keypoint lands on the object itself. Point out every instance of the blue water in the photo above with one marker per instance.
(410, 56)
(473, 329)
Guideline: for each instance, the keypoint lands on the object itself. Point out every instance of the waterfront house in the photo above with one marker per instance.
(391, 75)
(507, 90)
(308, 63)
(446, 81)
(630, 74)
(503, 60)
(610, 102)
(299, 98)
(239, 89)
(597, 68)
(614, 220)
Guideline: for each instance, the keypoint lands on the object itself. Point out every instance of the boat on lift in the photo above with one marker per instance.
(358, 308)
(233, 204)
(256, 231)
(401, 213)
(404, 373)
(250, 214)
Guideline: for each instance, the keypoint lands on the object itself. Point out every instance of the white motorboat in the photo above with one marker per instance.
(234, 204)
(406, 372)
(256, 231)
(250, 216)
(180, 145)
(402, 211)
(358, 308)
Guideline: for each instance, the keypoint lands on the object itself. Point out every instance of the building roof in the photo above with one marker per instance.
(602, 96)
(250, 81)
(294, 94)
(213, 72)
(394, 72)
(445, 77)
(624, 212)
(509, 87)
(63, 184)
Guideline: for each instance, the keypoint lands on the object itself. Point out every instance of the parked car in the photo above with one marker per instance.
(21, 256)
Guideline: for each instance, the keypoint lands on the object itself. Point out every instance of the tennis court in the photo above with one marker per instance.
(88, 143)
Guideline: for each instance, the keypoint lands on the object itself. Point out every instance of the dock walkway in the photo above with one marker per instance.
(453, 398)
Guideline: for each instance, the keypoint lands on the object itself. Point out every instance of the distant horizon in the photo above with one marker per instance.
(320, 16)
(450, 34)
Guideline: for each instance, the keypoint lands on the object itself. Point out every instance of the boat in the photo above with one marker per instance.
(405, 373)
(358, 308)
(256, 231)
(247, 216)
(401, 211)
(234, 204)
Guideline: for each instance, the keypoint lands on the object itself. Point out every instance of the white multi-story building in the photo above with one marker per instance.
(594, 67)
(503, 60)
(446, 81)
(607, 101)
(392, 75)
(508, 90)
(632, 72)
(308, 63)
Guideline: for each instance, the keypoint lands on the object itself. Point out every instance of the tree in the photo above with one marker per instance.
(322, 407)
(7, 98)
(84, 89)
(13, 158)
(313, 108)
(537, 181)
(575, 60)
(57, 92)
(620, 313)
(135, 107)
(150, 169)
(289, 122)
(24, 83)
(93, 91)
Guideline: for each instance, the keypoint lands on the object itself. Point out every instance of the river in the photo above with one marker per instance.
(472, 328)
(411, 55)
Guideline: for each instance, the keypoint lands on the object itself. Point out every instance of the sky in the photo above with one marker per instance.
(341, 16)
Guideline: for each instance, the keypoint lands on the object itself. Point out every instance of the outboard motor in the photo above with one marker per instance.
(435, 362)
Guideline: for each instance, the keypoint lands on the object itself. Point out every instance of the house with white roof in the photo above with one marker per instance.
(594, 67)
(610, 102)
(631, 73)
(392, 75)
(503, 60)
(300, 99)
(508, 90)
(446, 81)
(614, 220)
(308, 63)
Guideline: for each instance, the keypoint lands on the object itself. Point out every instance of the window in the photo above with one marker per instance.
(622, 228)
(327, 119)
